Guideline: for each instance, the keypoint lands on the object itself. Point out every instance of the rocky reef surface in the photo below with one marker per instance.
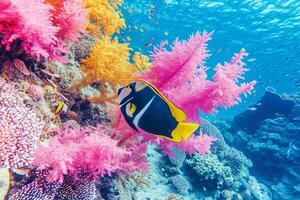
(268, 133)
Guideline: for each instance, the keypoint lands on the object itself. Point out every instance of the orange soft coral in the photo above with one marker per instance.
(107, 63)
(141, 61)
(103, 16)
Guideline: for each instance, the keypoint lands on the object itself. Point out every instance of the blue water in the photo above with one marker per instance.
(268, 29)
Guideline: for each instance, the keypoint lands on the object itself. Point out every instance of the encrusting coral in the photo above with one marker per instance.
(20, 128)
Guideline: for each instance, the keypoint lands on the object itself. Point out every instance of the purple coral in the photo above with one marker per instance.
(80, 188)
(20, 128)
(39, 188)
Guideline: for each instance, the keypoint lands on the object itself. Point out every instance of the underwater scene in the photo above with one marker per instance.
(149, 99)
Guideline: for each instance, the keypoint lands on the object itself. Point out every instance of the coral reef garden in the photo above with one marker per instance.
(62, 135)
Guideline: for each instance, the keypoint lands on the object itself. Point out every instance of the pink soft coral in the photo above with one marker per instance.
(89, 149)
(30, 22)
(182, 71)
(42, 29)
(70, 17)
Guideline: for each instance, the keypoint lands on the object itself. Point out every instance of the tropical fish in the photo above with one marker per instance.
(59, 107)
(145, 108)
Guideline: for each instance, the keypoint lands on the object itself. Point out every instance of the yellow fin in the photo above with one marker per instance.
(177, 113)
(183, 131)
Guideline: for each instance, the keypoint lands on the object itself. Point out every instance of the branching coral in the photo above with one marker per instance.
(211, 171)
(141, 61)
(103, 16)
(108, 62)
(20, 128)
(182, 69)
(88, 149)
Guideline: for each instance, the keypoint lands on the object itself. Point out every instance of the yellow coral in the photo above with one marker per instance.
(141, 61)
(108, 62)
(104, 17)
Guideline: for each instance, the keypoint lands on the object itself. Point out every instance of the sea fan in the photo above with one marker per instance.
(181, 71)
(29, 22)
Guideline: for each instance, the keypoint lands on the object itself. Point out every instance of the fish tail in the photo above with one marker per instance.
(184, 131)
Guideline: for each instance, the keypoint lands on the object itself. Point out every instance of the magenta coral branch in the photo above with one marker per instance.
(181, 71)
(88, 149)
(169, 68)
(43, 33)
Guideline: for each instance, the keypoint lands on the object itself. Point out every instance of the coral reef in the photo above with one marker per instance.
(108, 62)
(37, 188)
(272, 144)
(70, 147)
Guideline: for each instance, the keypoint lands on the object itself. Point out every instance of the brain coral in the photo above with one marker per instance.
(20, 128)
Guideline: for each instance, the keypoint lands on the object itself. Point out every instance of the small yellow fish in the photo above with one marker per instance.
(59, 107)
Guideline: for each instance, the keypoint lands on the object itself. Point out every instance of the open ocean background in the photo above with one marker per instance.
(269, 30)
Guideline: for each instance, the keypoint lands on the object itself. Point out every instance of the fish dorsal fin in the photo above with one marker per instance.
(177, 113)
